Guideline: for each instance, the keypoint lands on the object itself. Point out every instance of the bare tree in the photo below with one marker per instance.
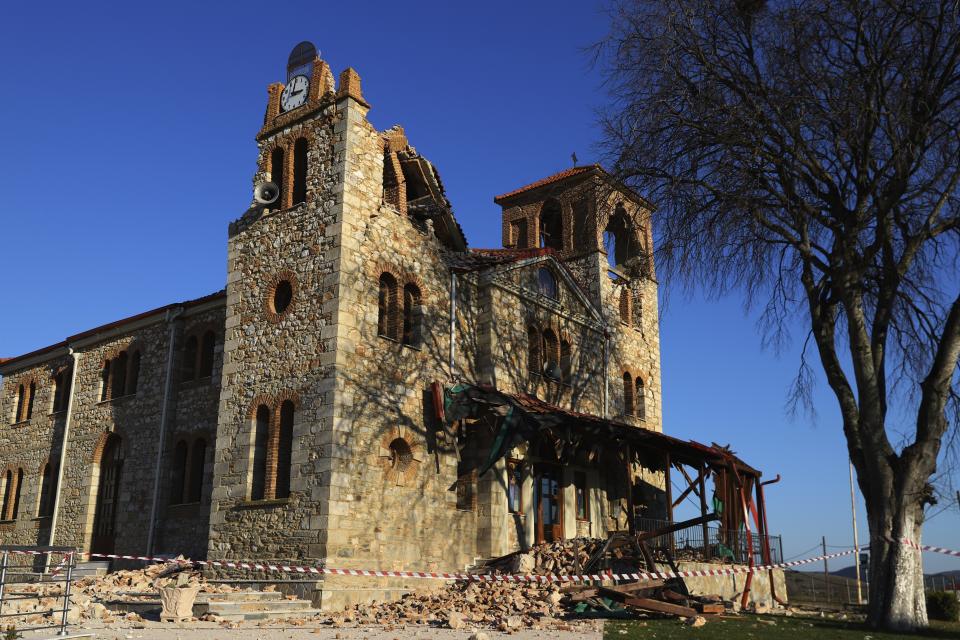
(806, 152)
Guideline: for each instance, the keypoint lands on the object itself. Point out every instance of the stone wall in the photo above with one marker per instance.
(273, 355)
(135, 418)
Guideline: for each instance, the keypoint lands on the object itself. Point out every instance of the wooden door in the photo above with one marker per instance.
(108, 493)
(549, 504)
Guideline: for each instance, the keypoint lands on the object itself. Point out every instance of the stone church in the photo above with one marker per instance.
(367, 391)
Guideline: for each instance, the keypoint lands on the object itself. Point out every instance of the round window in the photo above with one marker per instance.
(401, 455)
(282, 296)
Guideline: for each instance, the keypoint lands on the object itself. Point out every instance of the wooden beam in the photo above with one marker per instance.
(703, 512)
(662, 531)
(691, 487)
(659, 606)
(686, 476)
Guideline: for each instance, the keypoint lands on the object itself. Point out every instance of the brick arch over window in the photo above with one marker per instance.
(26, 399)
(272, 422)
(120, 372)
(552, 225)
(402, 301)
(96, 456)
(258, 458)
(12, 485)
(47, 474)
(628, 394)
(388, 306)
(199, 351)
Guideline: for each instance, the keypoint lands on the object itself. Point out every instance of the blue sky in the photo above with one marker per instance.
(128, 132)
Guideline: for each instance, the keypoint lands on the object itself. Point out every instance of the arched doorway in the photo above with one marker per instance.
(108, 494)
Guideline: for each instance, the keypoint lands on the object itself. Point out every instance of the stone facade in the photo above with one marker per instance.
(294, 416)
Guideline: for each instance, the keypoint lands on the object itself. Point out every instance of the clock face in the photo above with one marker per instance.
(295, 93)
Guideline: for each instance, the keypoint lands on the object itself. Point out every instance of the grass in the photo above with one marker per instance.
(765, 628)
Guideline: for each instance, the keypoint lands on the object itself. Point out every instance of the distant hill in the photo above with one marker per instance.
(851, 573)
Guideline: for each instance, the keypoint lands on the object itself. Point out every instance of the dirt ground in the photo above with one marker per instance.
(591, 630)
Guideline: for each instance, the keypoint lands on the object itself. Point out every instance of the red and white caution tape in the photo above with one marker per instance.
(549, 578)
(927, 547)
(477, 577)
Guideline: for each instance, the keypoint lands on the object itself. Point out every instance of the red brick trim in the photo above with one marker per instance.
(96, 455)
(271, 289)
(283, 396)
(259, 400)
(130, 345)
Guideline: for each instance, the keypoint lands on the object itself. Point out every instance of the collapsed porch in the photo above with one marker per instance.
(633, 472)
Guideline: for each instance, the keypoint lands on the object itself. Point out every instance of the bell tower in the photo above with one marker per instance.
(602, 231)
(273, 464)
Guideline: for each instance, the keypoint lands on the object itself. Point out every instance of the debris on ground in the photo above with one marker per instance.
(469, 606)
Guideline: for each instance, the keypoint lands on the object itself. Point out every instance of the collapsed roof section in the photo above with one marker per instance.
(412, 185)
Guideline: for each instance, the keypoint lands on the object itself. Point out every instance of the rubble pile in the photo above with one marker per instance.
(558, 558)
(506, 606)
(89, 594)
(502, 605)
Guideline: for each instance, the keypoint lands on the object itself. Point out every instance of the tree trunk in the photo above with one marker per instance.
(897, 596)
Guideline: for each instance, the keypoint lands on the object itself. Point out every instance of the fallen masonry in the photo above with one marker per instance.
(130, 595)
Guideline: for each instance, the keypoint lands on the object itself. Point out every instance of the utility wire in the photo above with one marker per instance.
(803, 553)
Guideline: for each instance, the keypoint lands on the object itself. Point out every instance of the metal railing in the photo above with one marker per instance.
(12, 574)
(722, 545)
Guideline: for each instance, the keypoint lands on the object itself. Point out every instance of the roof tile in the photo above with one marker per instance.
(567, 173)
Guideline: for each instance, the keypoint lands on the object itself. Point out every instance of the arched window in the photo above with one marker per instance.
(387, 312)
(207, 346)
(551, 354)
(284, 450)
(617, 238)
(277, 177)
(518, 234)
(179, 472)
(7, 495)
(119, 370)
(18, 484)
(261, 437)
(533, 350)
(628, 404)
(198, 460)
(412, 315)
(641, 399)
(190, 359)
(48, 490)
(551, 225)
(105, 382)
(61, 389)
(566, 362)
(637, 309)
(133, 376)
(547, 283)
(31, 395)
(300, 171)
(21, 399)
(625, 305)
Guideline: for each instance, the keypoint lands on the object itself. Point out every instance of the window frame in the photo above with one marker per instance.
(581, 490)
(515, 466)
